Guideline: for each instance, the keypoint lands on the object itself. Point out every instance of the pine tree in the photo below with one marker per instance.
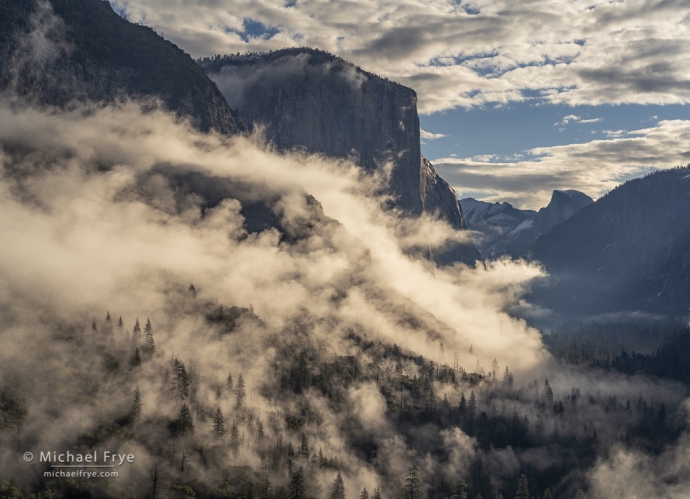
(364, 494)
(304, 448)
(547, 494)
(260, 432)
(265, 488)
(234, 437)
(506, 375)
(230, 384)
(136, 358)
(107, 317)
(338, 488)
(93, 325)
(184, 423)
(218, 424)
(296, 487)
(459, 489)
(136, 332)
(522, 488)
(180, 380)
(240, 391)
(462, 407)
(192, 290)
(149, 343)
(413, 489)
(137, 406)
(472, 405)
(377, 494)
(120, 324)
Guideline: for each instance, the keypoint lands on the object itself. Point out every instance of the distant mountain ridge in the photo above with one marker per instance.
(67, 52)
(505, 230)
(630, 250)
(310, 100)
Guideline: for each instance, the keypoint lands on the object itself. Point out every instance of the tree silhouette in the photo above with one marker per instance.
(136, 407)
(136, 358)
(240, 391)
(218, 424)
(265, 488)
(296, 487)
(136, 332)
(459, 489)
(472, 405)
(522, 488)
(184, 423)
(338, 491)
(413, 488)
(149, 343)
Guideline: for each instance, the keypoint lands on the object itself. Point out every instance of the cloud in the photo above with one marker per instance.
(111, 210)
(575, 53)
(576, 119)
(120, 222)
(430, 136)
(593, 167)
(630, 474)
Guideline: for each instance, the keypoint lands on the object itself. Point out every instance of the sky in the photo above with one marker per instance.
(496, 81)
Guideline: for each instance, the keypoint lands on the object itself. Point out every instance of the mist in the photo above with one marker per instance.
(97, 221)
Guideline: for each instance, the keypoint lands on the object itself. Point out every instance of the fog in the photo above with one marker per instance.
(96, 220)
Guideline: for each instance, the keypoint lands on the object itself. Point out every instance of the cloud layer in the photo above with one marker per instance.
(593, 167)
(461, 54)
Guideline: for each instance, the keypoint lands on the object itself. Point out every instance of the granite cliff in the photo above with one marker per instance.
(310, 100)
(70, 52)
(501, 229)
(630, 250)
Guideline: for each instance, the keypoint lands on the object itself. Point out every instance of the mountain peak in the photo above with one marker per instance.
(314, 101)
(563, 205)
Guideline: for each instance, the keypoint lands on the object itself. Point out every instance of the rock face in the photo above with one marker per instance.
(500, 229)
(563, 205)
(68, 52)
(311, 100)
(504, 230)
(630, 250)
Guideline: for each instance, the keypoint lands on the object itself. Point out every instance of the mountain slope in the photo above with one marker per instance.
(503, 229)
(65, 52)
(499, 227)
(629, 250)
(311, 100)
(563, 205)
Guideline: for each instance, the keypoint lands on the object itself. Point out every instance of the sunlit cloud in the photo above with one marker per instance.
(577, 52)
(593, 167)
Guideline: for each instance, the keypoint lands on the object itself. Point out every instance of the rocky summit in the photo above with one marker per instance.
(501, 229)
(310, 100)
(67, 53)
(630, 250)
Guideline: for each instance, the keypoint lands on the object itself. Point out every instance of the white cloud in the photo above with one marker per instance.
(615, 134)
(576, 52)
(430, 136)
(576, 119)
(593, 167)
